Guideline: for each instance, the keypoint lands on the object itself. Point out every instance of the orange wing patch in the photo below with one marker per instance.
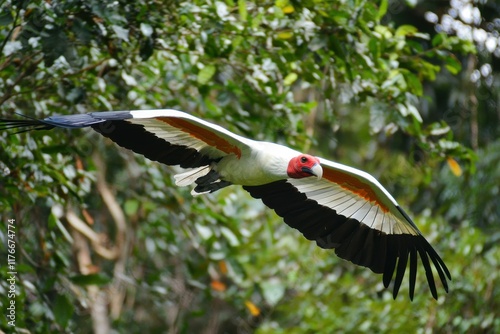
(354, 185)
(202, 134)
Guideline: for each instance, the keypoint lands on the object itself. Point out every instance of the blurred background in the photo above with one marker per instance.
(105, 243)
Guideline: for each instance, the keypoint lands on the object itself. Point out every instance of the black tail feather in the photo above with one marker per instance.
(25, 125)
(61, 121)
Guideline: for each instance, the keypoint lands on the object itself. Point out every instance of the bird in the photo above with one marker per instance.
(337, 206)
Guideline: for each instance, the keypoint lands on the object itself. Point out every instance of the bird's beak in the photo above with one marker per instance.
(315, 170)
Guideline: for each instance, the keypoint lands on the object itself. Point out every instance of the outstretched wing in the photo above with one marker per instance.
(349, 210)
(168, 136)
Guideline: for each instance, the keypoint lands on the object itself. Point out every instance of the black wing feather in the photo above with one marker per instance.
(390, 260)
(114, 125)
(400, 271)
(428, 272)
(354, 241)
(136, 138)
(413, 271)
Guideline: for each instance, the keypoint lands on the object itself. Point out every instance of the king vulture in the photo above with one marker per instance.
(335, 205)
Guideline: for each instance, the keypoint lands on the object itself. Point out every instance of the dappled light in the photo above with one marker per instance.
(95, 238)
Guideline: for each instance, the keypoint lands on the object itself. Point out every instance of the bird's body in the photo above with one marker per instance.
(337, 206)
(244, 171)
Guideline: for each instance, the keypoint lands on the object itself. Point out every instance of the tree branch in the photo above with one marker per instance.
(96, 240)
(117, 291)
(97, 298)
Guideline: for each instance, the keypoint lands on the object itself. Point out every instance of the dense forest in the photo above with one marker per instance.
(408, 91)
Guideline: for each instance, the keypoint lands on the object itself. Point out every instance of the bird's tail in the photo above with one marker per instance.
(189, 177)
(24, 125)
(62, 121)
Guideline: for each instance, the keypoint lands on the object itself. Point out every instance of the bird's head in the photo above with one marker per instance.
(304, 165)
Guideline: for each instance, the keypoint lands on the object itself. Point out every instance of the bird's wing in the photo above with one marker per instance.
(349, 210)
(168, 136)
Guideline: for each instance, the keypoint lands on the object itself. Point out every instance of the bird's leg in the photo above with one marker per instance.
(211, 177)
(211, 187)
(210, 183)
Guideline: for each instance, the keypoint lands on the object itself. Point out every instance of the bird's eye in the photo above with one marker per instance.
(303, 159)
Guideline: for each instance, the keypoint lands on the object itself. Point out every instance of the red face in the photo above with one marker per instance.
(304, 165)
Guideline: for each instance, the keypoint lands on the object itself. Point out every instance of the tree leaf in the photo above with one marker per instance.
(230, 236)
(6, 18)
(406, 30)
(242, 9)
(146, 29)
(454, 167)
(412, 110)
(273, 290)
(121, 32)
(438, 39)
(205, 74)
(288, 9)
(131, 207)
(382, 9)
(54, 44)
(290, 78)
(413, 83)
(63, 310)
(254, 310)
(218, 285)
(287, 34)
(453, 65)
(204, 232)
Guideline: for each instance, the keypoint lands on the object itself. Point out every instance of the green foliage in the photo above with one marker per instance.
(99, 228)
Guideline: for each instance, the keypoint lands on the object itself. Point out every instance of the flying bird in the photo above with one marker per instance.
(335, 205)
